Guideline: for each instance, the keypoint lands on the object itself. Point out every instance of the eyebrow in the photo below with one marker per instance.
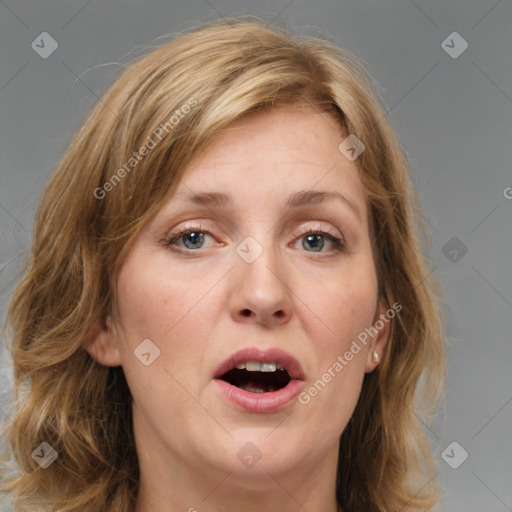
(301, 199)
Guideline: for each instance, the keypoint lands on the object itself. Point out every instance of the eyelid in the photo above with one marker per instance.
(296, 232)
(318, 229)
(338, 240)
(340, 245)
(179, 232)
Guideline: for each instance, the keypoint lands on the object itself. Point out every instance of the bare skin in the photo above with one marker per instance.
(200, 301)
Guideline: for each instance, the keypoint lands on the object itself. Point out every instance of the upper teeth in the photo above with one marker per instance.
(257, 366)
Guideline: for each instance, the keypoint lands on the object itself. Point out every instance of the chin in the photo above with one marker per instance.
(258, 451)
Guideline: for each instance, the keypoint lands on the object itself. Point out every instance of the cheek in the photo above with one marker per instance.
(345, 308)
(147, 305)
(344, 304)
(164, 306)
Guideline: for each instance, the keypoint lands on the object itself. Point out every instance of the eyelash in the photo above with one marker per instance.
(169, 241)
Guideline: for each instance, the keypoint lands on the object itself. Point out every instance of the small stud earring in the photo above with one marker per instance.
(375, 356)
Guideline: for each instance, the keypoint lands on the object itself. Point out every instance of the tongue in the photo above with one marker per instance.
(255, 387)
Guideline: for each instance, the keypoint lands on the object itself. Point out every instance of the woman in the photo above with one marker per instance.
(226, 306)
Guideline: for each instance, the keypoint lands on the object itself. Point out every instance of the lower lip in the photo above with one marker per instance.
(260, 402)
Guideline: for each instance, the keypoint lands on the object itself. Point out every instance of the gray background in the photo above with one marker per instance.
(454, 116)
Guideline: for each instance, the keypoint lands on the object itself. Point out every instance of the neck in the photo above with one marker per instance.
(230, 493)
(170, 482)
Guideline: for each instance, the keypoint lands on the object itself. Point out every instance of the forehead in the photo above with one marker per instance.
(270, 153)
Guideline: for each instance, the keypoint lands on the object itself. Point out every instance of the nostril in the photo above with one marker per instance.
(246, 312)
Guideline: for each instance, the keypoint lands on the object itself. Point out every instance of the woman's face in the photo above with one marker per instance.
(250, 272)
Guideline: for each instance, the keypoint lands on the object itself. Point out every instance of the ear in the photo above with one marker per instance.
(378, 345)
(102, 344)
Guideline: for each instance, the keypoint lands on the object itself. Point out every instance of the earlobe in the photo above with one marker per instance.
(378, 346)
(102, 345)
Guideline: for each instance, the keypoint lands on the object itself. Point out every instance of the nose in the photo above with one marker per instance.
(260, 289)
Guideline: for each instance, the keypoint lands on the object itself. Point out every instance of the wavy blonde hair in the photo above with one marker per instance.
(82, 409)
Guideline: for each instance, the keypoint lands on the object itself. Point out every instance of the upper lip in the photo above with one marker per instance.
(268, 355)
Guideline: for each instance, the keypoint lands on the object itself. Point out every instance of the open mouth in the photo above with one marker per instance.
(258, 380)
(257, 377)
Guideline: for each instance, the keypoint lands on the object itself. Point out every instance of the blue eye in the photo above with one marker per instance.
(316, 240)
(192, 239)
